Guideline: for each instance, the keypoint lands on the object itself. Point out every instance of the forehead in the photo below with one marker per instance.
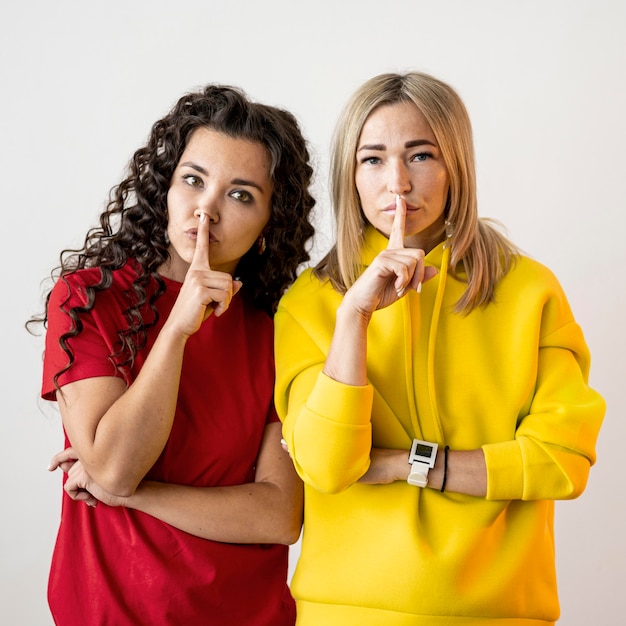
(401, 120)
(215, 148)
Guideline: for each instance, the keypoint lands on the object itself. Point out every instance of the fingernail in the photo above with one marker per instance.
(400, 292)
(202, 217)
(419, 287)
(283, 442)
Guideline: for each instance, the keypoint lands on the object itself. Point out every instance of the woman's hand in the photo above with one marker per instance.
(204, 290)
(392, 273)
(64, 459)
(386, 466)
(79, 485)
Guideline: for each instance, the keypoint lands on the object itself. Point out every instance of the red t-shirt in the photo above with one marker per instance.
(117, 566)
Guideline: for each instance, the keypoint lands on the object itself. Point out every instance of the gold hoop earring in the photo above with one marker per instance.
(262, 245)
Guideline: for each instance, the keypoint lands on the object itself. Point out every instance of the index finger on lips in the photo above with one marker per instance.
(396, 236)
(201, 253)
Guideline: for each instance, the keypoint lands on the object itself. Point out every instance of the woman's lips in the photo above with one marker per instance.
(391, 208)
(192, 233)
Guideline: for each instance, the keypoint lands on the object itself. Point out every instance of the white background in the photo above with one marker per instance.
(545, 85)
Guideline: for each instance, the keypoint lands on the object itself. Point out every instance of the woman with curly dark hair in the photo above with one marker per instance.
(159, 352)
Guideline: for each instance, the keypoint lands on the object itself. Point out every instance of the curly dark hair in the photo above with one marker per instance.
(134, 222)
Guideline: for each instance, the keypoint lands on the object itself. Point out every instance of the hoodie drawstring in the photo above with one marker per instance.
(434, 324)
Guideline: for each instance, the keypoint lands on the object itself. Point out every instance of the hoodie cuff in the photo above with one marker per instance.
(505, 471)
(355, 402)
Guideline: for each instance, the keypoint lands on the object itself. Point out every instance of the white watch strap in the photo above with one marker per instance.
(418, 476)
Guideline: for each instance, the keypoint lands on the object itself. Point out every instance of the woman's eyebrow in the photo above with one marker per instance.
(372, 146)
(194, 166)
(419, 142)
(247, 183)
(409, 144)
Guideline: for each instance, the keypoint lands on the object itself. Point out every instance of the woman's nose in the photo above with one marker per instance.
(209, 205)
(399, 179)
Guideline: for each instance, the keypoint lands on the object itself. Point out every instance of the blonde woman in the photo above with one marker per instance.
(432, 384)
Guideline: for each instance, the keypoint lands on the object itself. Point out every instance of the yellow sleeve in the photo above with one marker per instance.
(327, 424)
(554, 445)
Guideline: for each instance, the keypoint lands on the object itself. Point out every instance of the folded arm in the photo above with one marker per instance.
(119, 432)
(268, 510)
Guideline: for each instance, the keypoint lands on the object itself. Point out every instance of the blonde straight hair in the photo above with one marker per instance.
(483, 252)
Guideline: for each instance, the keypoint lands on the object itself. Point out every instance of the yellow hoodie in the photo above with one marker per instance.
(510, 378)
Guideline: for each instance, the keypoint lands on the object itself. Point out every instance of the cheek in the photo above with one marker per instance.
(173, 206)
(444, 180)
(438, 185)
(445, 189)
(363, 186)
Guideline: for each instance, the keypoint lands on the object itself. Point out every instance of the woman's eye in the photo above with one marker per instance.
(422, 156)
(372, 160)
(242, 195)
(192, 180)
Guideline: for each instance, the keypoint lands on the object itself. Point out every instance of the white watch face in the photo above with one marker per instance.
(424, 452)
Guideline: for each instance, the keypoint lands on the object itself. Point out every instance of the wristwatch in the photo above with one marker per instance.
(421, 458)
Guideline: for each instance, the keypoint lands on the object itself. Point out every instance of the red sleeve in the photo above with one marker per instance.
(272, 416)
(91, 347)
